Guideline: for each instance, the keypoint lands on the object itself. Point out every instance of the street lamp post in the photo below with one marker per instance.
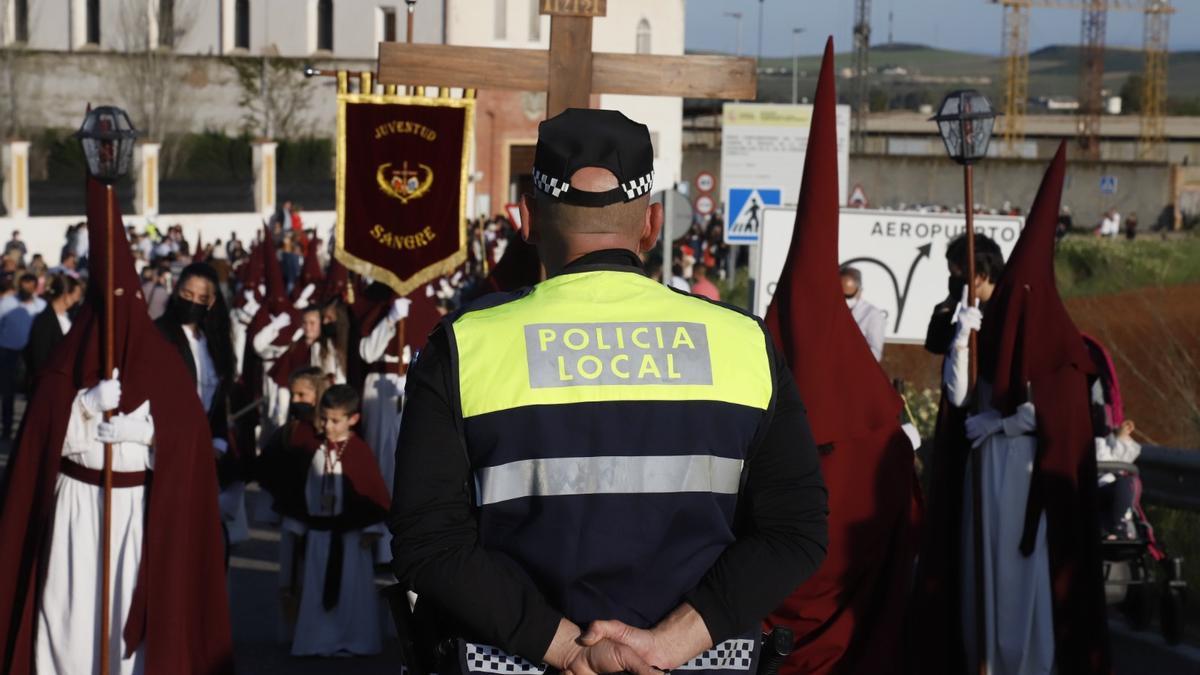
(737, 16)
(107, 137)
(758, 62)
(965, 121)
(796, 64)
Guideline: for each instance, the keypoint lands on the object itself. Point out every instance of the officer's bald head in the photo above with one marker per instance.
(567, 230)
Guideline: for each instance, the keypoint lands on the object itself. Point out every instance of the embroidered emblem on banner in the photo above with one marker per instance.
(403, 183)
(622, 353)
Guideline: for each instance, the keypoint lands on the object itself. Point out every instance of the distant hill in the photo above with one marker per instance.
(919, 73)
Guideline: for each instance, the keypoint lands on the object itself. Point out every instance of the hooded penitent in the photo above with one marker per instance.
(310, 273)
(848, 617)
(1028, 344)
(179, 611)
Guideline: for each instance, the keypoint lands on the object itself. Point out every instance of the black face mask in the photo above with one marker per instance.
(186, 312)
(329, 330)
(24, 295)
(956, 286)
(302, 412)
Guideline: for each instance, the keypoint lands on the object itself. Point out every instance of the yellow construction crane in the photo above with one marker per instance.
(1095, 12)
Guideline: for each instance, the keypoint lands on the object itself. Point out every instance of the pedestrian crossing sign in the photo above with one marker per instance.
(746, 205)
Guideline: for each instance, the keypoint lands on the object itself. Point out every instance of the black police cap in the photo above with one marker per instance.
(578, 138)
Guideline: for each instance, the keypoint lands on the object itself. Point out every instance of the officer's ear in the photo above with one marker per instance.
(652, 226)
(526, 228)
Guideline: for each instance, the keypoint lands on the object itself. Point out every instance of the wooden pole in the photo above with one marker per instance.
(411, 6)
(106, 524)
(570, 66)
(412, 9)
(977, 463)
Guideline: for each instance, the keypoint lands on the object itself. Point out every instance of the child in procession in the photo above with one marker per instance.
(344, 502)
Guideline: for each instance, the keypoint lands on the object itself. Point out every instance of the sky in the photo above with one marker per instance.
(962, 25)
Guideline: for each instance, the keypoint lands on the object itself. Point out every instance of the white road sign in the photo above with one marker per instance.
(762, 153)
(901, 254)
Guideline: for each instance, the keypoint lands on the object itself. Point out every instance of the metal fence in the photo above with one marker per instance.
(1171, 476)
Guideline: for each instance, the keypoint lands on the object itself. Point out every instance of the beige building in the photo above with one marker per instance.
(173, 65)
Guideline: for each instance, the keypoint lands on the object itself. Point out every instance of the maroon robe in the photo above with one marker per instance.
(849, 616)
(179, 609)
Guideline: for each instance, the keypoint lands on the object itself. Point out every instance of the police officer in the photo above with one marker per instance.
(601, 453)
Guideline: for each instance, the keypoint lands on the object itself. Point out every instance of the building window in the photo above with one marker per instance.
(500, 20)
(166, 23)
(241, 24)
(535, 21)
(643, 37)
(21, 18)
(93, 22)
(388, 15)
(324, 25)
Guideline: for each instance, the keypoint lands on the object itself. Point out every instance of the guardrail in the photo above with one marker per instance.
(1170, 476)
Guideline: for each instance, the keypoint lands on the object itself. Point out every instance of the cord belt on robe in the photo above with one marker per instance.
(120, 479)
(383, 367)
(335, 525)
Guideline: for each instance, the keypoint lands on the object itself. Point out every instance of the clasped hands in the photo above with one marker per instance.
(614, 646)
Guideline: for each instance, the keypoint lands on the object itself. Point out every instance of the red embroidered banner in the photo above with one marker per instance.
(402, 186)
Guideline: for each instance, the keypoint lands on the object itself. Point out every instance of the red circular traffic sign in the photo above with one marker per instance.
(705, 182)
(704, 205)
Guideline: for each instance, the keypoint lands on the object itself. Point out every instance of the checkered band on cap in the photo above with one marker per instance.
(551, 186)
(729, 655)
(492, 660)
(638, 187)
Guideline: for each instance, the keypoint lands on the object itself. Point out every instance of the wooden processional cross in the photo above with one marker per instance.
(570, 72)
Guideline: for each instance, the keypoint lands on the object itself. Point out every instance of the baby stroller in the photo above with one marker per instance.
(1139, 574)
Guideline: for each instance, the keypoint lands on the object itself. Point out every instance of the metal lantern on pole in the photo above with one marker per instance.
(107, 137)
(965, 121)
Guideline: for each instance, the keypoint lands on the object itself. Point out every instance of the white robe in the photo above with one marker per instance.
(239, 322)
(68, 616)
(1018, 597)
(275, 397)
(329, 364)
(353, 627)
(382, 393)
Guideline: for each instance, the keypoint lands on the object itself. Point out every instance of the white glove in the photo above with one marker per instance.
(262, 290)
(105, 396)
(399, 309)
(302, 301)
(980, 426)
(220, 446)
(297, 335)
(126, 429)
(248, 295)
(250, 309)
(1023, 421)
(280, 321)
(968, 319)
(914, 436)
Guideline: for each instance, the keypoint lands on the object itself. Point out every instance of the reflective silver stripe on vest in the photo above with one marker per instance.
(561, 476)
